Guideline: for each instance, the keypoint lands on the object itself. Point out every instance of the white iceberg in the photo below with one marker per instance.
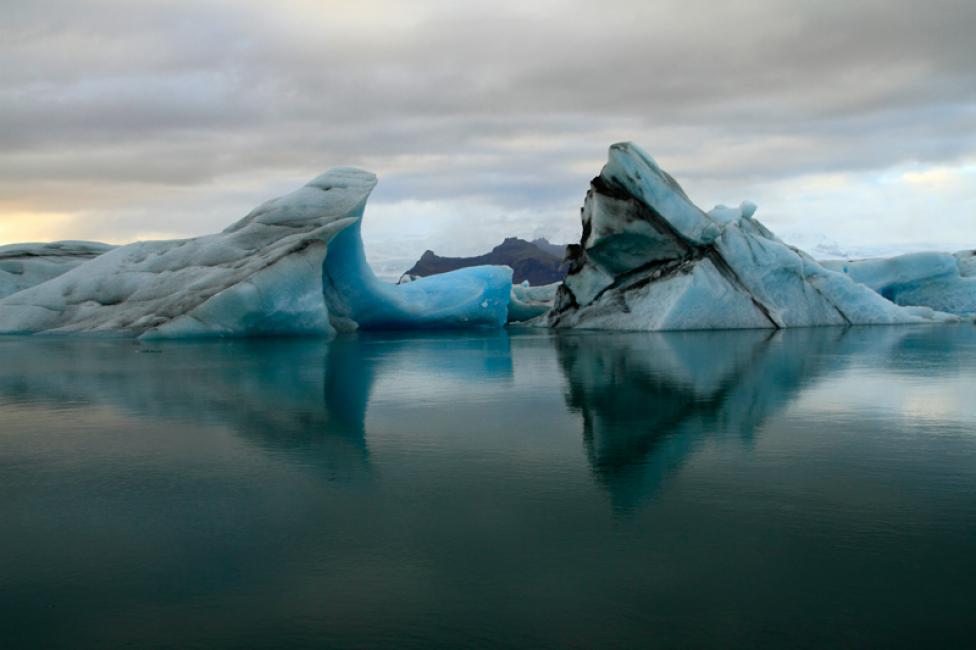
(26, 265)
(649, 259)
(265, 275)
(942, 281)
(527, 302)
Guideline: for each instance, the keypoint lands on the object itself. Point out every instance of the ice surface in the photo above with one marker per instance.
(26, 265)
(966, 261)
(468, 297)
(528, 302)
(649, 259)
(261, 276)
(941, 281)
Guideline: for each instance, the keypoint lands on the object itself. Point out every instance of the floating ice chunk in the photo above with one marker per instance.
(649, 259)
(476, 296)
(528, 302)
(940, 281)
(242, 281)
(277, 271)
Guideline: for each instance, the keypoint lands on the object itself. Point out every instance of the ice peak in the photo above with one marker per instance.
(338, 193)
(344, 178)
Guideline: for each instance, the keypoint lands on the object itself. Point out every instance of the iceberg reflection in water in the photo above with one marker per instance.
(649, 402)
(522, 489)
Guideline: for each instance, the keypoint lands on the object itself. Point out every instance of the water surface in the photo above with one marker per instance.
(808, 488)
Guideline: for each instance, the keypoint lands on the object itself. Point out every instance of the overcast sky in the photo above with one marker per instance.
(849, 123)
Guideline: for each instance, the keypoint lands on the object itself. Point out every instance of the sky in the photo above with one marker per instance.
(851, 124)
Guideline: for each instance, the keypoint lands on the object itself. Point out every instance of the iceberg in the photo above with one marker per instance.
(650, 259)
(25, 265)
(942, 281)
(293, 266)
(468, 297)
(527, 302)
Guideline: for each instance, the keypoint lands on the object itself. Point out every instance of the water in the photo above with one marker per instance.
(527, 490)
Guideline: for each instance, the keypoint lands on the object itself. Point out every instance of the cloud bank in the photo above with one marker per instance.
(849, 123)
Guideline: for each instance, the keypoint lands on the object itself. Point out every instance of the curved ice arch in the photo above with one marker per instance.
(476, 296)
(264, 275)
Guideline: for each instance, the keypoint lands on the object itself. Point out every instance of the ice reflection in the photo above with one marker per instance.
(649, 400)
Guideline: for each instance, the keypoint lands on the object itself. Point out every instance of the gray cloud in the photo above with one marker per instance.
(138, 111)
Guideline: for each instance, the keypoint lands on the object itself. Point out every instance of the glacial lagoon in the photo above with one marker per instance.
(516, 489)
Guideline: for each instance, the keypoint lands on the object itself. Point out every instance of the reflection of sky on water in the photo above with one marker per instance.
(924, 373)
(459, 484)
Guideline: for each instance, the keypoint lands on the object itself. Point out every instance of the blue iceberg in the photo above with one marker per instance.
(476, 296)
(293, 266)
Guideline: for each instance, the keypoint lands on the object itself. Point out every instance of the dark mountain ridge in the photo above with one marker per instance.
(535, 261)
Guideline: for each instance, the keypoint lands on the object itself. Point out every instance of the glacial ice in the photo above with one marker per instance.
(649, 259)
(26, 265)
(261, 276)
(941, 281)
(528, 302)
(472, 296)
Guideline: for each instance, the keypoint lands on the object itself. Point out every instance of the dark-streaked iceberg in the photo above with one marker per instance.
(293, 266)
(942, 281)
(649, 259)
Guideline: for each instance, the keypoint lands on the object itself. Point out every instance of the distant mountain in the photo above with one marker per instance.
(539, 262)
(559, 250)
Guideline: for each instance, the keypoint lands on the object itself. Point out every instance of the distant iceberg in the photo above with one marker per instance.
(528, 302)
(942, 281)
(649, 259)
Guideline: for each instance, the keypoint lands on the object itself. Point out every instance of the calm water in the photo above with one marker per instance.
(738, 489)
